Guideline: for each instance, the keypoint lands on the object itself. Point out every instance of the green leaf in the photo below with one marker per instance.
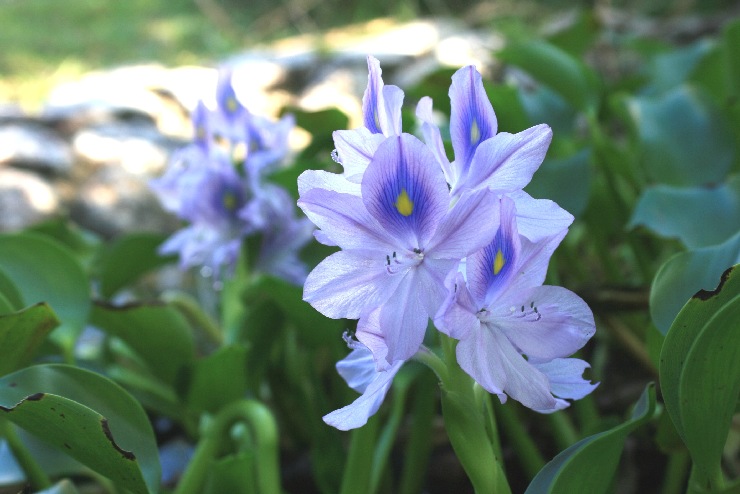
(674, 67)
(686, 273)
(590, 464)
(10, 292)
(89, 417)
(21, 334)
(555, 68)
(566, 181)
(217, 380)
(507, 103)
(580, 36)
(698, 216)
(158, 333)
(45, 271)
(233, 473)
(62, 487)
(126, 259)
(81, 243)
(700, 374)
(684, 140)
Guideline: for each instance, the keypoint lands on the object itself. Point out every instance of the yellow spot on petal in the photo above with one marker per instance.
(231, 104)
(474, 133)
(403, 203)
(229, 201)
(498, 262)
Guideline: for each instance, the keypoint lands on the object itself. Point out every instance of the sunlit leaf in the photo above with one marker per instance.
(686, 273)
(126, 259)
(700, 374)
(698, 216)
(87, 416)
(590, 464)
(61, 487)
(555, 68)
(683, 138)
(45, 271)
(21, 333)
(158, 333)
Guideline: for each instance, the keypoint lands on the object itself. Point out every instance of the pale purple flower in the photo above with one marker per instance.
(359, 371)
(399, 240)
(514, 332)
(486, 158)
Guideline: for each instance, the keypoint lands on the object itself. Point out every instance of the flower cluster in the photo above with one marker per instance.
(217, 185)
(458, 242)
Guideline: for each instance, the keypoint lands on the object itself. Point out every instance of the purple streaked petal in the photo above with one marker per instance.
(403, 319)
(506, 162)
(432, 276)
(489, 358)
(358, 368)
(467, 227)
(390, 119)
(554, 322)
(490, 269)
(456, 317)
(320, 179)
(534, 258)
(344, 220)
(349, 283)
(565, 375)
(355, 149)
(433, 138)
(539, 218)
(472, 119)
(405, 191)
(371, 100)
(368, 333)
(359, 411)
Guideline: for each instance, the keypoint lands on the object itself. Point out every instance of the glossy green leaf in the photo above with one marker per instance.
(21, 333)
(542, 104)
(10, 292)
(590, 464)
(566, 181)
(234, 473)
(62, 487)
(555, 68)
(217, 379)
(89, 417)
(700, 374)
(157, 332)
(79, 242)
(684, 140)
(698, 216)
(126, 259)
(45, 271)
(674, 67)
(686, 273)
(507, 103)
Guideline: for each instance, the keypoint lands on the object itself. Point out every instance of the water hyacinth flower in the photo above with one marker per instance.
(515, 333)
(399, 240)
(217, 185)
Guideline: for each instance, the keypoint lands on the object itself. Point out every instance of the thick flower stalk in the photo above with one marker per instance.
(218, 186)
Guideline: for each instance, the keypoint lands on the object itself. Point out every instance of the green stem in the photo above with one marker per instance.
(529, 456)
(34, 473)
(420, 440)
(467, 427)
(563, 431)
(484, 401)
(357, 471)
(674, 481)
(195, 313)
(264, 431)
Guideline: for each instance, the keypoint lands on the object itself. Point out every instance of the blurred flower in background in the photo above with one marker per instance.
(218, 186)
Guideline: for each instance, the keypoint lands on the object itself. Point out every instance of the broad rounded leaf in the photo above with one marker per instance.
(700, 373)
(89, 417)
(127, 259)
(557, 69)
(217, 379)
(686, 273)
(44, 271)
(683, 138)
(158, 333)
(10, 293)
(698, 216)
(21, 333)
(590, 464)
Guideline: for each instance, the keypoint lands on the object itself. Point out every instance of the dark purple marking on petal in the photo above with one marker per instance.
(404, 189)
